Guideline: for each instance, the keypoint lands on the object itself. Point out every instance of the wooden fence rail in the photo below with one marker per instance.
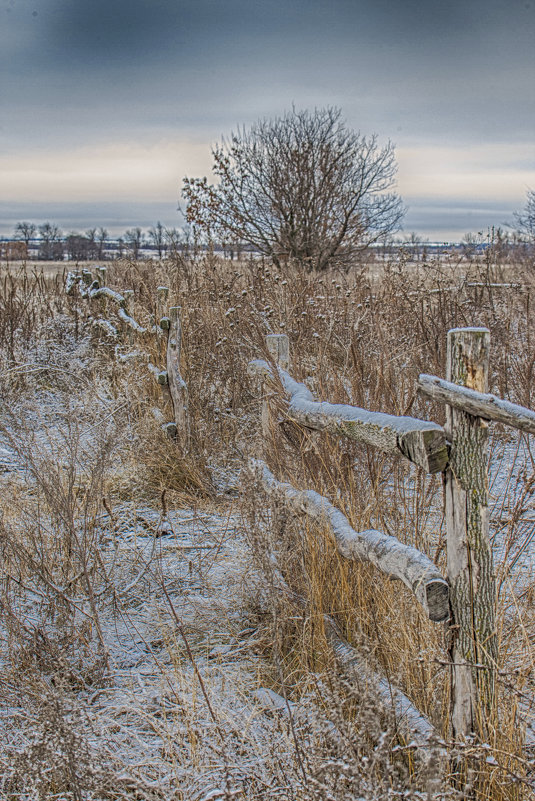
(420, 441)
(478, 404)
(170, 379)
(413, 726)
(467, 599)
(388, 554)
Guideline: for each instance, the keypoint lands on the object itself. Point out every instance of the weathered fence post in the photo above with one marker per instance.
(101, 277)
(278, 346)
(162, 294)
(101, 274)
(473, 647)
(128, 295)
(177, 385)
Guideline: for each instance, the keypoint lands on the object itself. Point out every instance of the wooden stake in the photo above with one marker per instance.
(278, 346)
(162, 295)
(177, 385)
(101, 277)
(101, 274)
(470, 564)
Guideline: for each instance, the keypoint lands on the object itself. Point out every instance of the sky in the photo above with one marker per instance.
(107, 104)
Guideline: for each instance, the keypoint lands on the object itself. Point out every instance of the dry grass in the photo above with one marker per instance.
(361, 338)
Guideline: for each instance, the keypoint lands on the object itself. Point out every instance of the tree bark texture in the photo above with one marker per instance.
(470, 562)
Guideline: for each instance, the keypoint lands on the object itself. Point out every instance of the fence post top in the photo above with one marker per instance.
(469, 330)
(277, 338)
(174, 313)
(278, 346)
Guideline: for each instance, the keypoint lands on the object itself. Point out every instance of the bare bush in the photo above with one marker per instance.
(301, 187)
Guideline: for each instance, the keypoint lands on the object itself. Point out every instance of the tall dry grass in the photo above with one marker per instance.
(362, 338)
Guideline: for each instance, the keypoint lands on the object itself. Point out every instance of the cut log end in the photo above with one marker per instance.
(426, 448)
(170, 430)
(437, 599)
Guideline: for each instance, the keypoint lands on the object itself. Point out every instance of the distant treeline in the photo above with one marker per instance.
(47, 242)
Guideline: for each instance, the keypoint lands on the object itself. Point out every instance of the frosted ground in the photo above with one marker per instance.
(183, 706)
(158, 683)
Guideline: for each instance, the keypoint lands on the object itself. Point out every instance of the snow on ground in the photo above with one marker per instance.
(147, 716)
(173, 617)
(512, 503)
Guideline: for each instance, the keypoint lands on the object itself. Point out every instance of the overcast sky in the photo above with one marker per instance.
(107, 104)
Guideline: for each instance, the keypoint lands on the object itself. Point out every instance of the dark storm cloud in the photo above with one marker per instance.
(164, 63)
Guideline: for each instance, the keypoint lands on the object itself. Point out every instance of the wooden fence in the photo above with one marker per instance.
(100, 298)
(465, 599)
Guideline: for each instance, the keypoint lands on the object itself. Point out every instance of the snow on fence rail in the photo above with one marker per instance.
(420, 441)
(478, 404)
(468, 598)
(410, 722)
(388, 554)
(474, 642)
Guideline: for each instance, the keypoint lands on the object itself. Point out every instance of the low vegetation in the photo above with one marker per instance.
(165, 623)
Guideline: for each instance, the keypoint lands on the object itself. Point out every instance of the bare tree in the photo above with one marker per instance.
(415, 245)
(91, 236)
(102, 236)
(51, 246)
(526, 219)
(301, 187)
(157, 238)
(77, 247)
(25, 231)
(175, 241)
(470, 243)
(134, 241)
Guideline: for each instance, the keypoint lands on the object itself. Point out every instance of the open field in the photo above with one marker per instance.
(164, 620)
(48, 268)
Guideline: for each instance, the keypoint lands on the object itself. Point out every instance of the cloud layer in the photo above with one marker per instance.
(118, 100)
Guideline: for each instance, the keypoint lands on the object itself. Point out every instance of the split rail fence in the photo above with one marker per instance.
(465, 598)
(95, 291)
